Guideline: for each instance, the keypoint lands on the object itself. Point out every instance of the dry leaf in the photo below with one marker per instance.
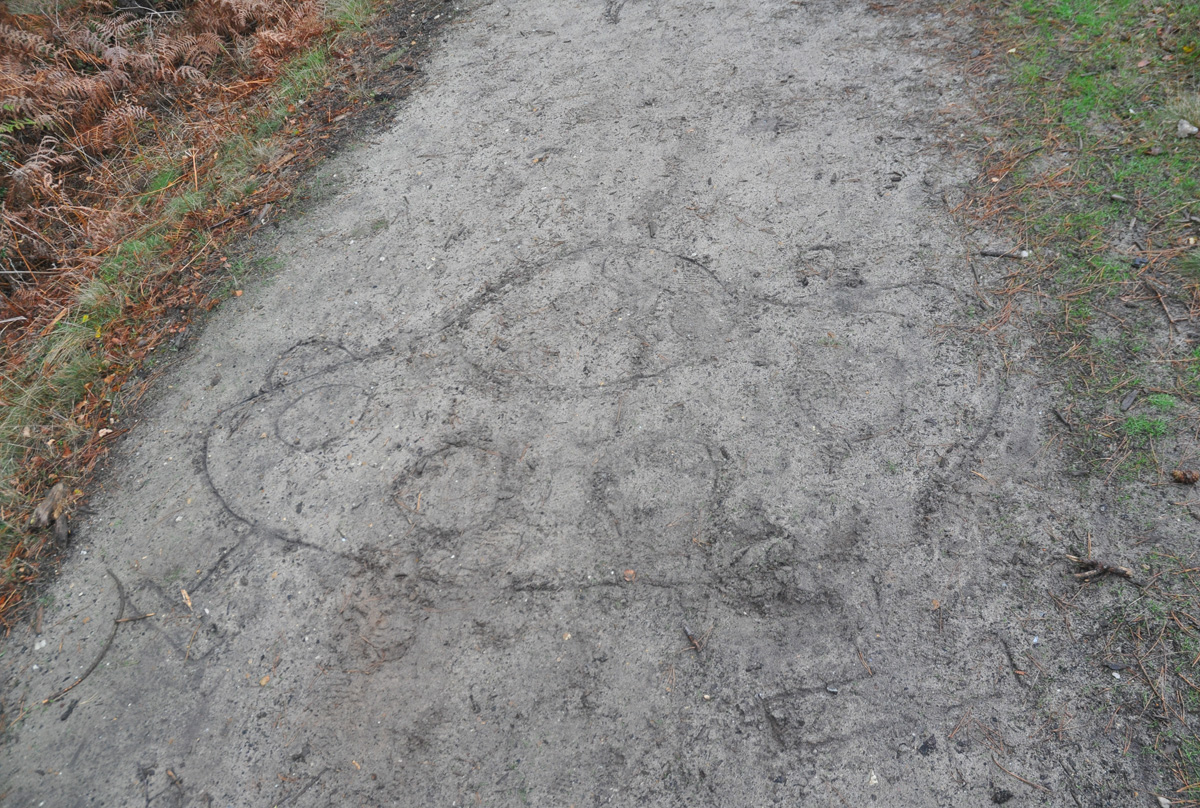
(936, 604)
(263, 681)
(186, 598)
(630, 575)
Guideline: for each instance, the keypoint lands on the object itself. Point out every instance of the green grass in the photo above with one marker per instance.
(1094, 182)
(163, 180)
(1142, 428)
(1153, 629)
(1189, 266)
(1162, 402)
(351, 16)
(300, 77)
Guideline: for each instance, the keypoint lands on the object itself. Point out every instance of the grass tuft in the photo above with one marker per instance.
(1084, 169)
(168, 179)
(1140, 427)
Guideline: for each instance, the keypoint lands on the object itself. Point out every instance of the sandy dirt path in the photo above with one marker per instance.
(630, 324)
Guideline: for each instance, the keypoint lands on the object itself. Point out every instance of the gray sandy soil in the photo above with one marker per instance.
(632, 323)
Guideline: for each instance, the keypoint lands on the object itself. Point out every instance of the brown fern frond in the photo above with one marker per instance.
(116, 57)
(94, 140)
(203, 53)
(62, 84)
(236, 17)
(36, 173)
(188, 75)
(85, 40)
(171, 50)
(26, 42)
(63, 160)
(97, 6)
(12, 67)
(115, 79)
(121, 27)
(18, 106)
(144, 64)
(121, 121)
(272, 44)
(91, 110)
(250, 13)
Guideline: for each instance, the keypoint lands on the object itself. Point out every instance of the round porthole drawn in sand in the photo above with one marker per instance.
(633, 274)
(461, 486)
(307, 359)
(699, 307)
(656, 483)
(322, 415)
(453, 488)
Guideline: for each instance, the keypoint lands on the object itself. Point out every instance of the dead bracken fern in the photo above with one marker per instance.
(110, 114)
(80, 86)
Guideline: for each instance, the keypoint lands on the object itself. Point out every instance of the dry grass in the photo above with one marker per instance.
(133, 145)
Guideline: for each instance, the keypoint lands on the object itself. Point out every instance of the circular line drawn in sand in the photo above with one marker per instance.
(655, 480)
(453, 488)
(698, 306)
(305, 360)
(322, 415)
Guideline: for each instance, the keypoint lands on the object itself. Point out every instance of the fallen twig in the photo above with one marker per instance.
(107, 643)
(139, 617)
(1038, 786)
(1094, 568)
(302, 791)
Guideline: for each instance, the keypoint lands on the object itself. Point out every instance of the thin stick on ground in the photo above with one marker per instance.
(107, 643)
(1094, 568)
(1038, 786)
